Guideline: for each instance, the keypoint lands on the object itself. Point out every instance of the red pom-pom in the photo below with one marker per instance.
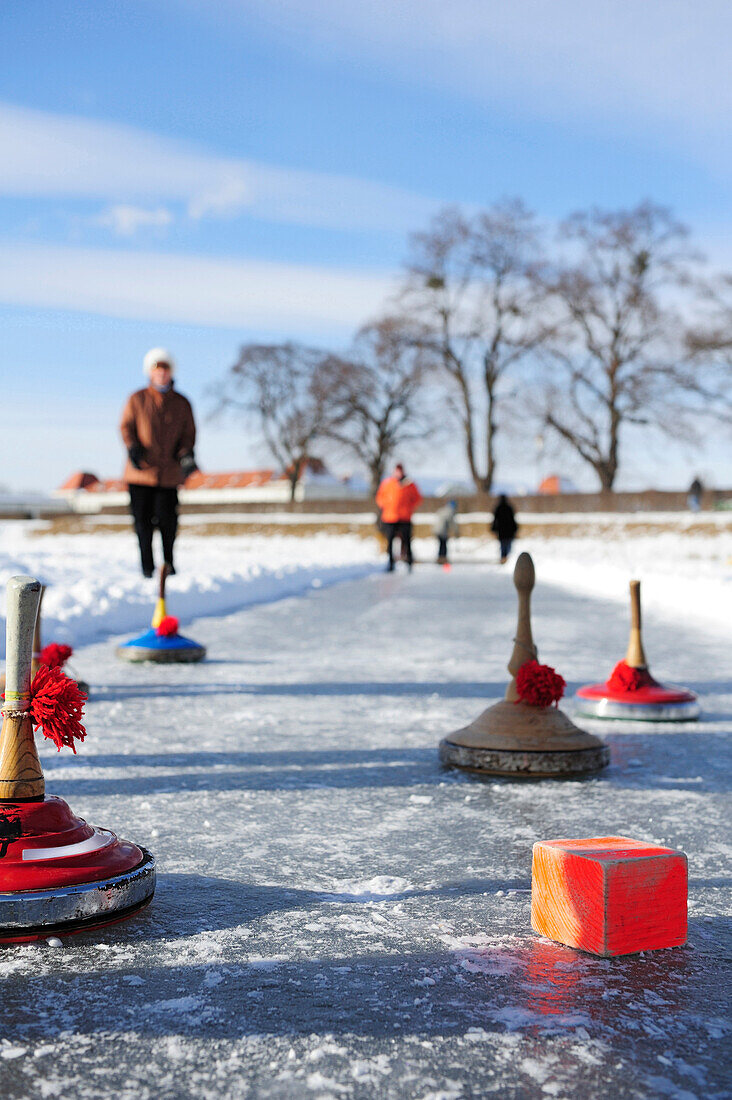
(55, 655)
(626, 678)
(539, 685)
(57, 707)
(167, 627)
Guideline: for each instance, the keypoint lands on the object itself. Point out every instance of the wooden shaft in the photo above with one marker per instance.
(160, 609)
(635, 656)
(21, 776)
(524, 577)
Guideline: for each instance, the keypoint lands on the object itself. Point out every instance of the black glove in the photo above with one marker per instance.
(188, 464)
(137, 455)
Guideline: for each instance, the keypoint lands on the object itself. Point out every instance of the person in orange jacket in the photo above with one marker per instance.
(397, 498)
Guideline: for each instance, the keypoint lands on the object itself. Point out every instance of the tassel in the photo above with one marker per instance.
(55, 655)
(167, 627)
(539, 685)
(57, 707)
(626, 678)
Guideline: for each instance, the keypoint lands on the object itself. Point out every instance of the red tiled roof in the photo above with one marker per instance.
(235, 479)
(80, 480)
(551, 485)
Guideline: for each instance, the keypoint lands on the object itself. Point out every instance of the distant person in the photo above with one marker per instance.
(694, 498)
(159, 433)
(380, 529)
(445, 528)
(504, 526)
(397, 498)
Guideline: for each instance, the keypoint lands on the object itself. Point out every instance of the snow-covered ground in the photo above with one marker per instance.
(95, 588)
(336, 916)
(688, 576)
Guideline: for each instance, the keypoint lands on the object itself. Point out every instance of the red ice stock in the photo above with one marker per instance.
(55, 655)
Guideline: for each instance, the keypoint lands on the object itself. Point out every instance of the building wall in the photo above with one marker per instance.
(277, 497)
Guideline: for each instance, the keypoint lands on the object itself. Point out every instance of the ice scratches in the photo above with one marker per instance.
(322, 1051)
(256, 963)
(370, 1070)
(538, 1070)
(191, 1006)
(663, 1086)
(517, 1017)
(486, 955)
(318, 1082)
(450, 1090)
(377, 888)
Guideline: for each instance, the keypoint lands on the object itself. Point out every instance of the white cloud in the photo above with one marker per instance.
(630, 65)
(126, 220)
(190, 290)
(48, 155)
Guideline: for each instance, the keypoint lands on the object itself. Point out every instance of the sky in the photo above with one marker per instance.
(197, 175)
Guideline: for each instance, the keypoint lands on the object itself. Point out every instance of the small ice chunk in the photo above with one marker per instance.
(53, 941)
(8, 1052)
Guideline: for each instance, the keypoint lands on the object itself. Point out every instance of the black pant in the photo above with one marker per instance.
(153, 507)
(442, 548)
(403, 531)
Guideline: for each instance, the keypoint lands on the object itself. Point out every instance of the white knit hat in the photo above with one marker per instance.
(158, 355)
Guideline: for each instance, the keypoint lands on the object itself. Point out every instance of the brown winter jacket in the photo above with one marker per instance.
(162, 424)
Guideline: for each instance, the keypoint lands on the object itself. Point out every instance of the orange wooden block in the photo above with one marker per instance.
(609, 895)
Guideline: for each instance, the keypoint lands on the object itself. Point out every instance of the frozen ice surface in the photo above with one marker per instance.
(338, 917)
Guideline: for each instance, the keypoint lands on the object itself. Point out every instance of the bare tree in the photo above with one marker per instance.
(377, 393)
(472, 284)
(618, 358)
(709, 339)
(287, 387)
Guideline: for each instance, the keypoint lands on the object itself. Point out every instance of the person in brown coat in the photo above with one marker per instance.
(159, 433)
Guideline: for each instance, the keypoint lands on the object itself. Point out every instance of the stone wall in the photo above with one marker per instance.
(650, 500)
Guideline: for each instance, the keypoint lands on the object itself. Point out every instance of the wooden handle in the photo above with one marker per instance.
(524, 574)
(524, 577)
(635, 605)
(23, 599)
(635, 657)
(21, 776)
(164, 570)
